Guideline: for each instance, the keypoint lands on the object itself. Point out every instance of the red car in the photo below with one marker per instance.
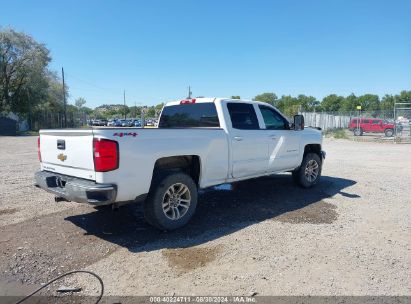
(371, 125)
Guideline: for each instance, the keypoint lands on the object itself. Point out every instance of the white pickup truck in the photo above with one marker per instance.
(198, 143)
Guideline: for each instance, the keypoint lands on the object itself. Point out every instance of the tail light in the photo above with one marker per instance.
(38, 148)
(106, 155)
(185, 101)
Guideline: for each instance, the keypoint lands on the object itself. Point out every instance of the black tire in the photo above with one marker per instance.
(299, 176)
(389, 132)
(153, 206)
(358, 132)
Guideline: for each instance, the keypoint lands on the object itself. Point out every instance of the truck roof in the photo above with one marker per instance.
(207, 99)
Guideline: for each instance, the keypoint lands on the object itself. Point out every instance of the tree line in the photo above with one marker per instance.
(370, 103)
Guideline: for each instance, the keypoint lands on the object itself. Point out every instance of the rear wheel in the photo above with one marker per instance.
(171, 202)
(309, 173)
(358, 132)
(389, 132)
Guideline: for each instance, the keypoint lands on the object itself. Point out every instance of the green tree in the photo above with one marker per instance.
(288, 105)
(307, 103)
(23, 71)
(387, 103)
(87, 110)
(270, 98)
(151, 112)
(52, 98)
(80, 102)
(332, 103)
(405, 96)
(235, 97)
(158, 108)
(349, 103)
(369, 102)
(135, 111)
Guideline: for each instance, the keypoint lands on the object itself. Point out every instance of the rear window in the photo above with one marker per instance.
(194, 115)
(243, 116)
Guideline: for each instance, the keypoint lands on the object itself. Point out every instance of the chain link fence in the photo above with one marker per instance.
(50, 120)
(331, 121)
(42, 120)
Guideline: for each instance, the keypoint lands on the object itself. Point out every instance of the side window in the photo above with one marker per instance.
(243, 116)
(376, 122)
(354, 121)
(273, 120)
(366, 121)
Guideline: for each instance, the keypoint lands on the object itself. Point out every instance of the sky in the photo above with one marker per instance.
(155, 49)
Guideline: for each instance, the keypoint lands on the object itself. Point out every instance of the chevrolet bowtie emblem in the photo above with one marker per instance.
(62, 157)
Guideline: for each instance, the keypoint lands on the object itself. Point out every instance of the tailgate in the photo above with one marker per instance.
(68, 152)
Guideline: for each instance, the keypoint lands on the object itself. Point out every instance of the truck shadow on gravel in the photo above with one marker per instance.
(221, 211)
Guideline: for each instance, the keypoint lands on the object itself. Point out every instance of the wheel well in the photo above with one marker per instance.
(189, 164)
(313, 148)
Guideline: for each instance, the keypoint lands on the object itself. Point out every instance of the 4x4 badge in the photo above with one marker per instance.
(62, 157)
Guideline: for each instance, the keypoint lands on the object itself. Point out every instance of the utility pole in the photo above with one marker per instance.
(124, 97)
(189, 92)
(64, 99)
(143, 120)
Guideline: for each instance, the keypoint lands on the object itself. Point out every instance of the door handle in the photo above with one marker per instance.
(238, 138)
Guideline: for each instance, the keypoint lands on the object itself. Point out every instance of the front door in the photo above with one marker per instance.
(283, 143)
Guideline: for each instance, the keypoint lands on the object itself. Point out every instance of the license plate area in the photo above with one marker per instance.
(56, 182)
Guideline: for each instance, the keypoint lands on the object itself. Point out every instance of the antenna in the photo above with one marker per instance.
(189, 92)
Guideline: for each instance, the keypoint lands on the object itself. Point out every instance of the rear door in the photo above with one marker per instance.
(376, 125)
(68, 152)
(365, 125)
(249, 150)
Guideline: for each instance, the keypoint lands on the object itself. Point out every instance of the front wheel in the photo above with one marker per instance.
(171, 202)
(309, 173)
(389, 132)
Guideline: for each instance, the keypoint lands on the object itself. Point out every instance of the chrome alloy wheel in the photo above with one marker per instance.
(176, 201)
(311, 170)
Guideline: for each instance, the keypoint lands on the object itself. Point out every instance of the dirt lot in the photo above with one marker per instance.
(348, 236)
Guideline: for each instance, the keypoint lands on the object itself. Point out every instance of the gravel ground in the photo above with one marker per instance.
(348, 236)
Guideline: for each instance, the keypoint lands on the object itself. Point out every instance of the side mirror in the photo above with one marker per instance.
(298, 122)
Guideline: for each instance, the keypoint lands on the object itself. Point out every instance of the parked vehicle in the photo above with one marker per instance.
(126, 123)
(111, 123)
(99, 122)
(199, 143)
(137, 123)
(371, 125)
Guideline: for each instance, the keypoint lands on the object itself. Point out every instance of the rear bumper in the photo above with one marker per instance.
(76, 189)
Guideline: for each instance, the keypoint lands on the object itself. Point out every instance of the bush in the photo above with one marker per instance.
(337, 133)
